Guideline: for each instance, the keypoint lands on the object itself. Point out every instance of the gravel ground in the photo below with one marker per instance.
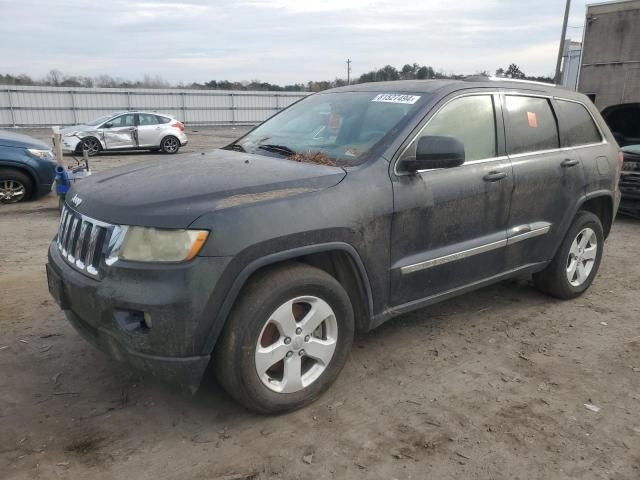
(491, 385)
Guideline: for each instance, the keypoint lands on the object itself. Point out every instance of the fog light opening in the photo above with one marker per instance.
(146, 323)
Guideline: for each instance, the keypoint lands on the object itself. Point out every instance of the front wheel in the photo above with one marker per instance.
(576, 263)
(286, 340)
(91, 145)
(15, 186)
(170, 145)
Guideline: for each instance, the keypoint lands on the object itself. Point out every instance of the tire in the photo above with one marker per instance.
(563, 278)
(15, 186)
(270, 295)
(92, 145)
(170, 145)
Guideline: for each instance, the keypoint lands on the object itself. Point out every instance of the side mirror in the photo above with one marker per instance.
(436, 152)
(108, 125)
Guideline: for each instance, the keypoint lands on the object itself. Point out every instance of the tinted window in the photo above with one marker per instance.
(576, 124)
(147, 119)
(128, 120)
(163, 119)
(468, 119)
(532, 125)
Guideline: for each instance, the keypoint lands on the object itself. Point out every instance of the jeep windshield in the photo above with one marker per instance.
(333, 128)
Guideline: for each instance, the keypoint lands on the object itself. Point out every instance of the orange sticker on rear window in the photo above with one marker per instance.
(533, 119)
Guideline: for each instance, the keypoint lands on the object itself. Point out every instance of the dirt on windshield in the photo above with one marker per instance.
(318, 158)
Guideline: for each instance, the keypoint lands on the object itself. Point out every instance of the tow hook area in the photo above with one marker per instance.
(133, 322)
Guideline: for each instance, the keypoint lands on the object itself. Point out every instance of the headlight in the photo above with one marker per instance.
(43, 154)
(144, 244)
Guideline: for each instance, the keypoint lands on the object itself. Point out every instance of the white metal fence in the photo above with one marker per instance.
(45, 106)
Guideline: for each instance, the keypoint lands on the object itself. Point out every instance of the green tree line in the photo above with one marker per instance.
(412, 71)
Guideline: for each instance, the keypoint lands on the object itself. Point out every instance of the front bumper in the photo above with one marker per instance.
(110, 313)
(70, 144)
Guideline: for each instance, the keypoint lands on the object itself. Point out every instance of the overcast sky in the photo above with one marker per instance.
(280, 41)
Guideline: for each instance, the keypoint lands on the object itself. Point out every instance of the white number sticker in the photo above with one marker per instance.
(396, 98)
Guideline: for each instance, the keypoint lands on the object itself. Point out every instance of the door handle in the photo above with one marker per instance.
(569, 162)
(494, 176)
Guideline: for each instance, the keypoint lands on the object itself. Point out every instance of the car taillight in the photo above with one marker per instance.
(179, 125)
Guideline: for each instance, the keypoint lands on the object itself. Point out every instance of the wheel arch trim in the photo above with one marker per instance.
(241, 279)
(597, 195)
(31, 172)
(561, 228)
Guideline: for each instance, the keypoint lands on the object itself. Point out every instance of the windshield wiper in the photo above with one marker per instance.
(236, 147)
(281, 149)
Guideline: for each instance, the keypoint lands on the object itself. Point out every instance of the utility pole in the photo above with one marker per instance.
(557, 78)
(348, 71)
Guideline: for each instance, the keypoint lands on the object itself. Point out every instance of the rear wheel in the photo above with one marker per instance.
(170, 144)
(15, 186)
(286, 340)
(576, 263)
(91, 145)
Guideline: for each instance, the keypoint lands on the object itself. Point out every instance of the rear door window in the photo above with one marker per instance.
(147, 119)
(576, 124)
(532, 125)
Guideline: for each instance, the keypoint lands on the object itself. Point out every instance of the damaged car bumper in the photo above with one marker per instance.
(70, 143)
(158, 326)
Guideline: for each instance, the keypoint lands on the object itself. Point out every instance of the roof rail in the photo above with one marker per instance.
(518, 80)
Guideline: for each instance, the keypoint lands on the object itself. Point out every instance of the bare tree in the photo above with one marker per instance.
(54, 77)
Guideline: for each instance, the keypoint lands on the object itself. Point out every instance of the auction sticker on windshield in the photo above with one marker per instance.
(396, 98)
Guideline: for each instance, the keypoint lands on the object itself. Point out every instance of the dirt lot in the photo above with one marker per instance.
(492, 385)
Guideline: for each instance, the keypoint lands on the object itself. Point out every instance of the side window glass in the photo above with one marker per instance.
(116, 122)
(471, 120)
(128, 120)
(163, 119)
(576, 124)
(147, 119)
(531, 125)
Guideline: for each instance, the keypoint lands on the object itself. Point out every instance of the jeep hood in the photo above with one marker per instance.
(172, 192)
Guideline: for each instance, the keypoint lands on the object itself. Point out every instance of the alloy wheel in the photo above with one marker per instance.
(582, 257)
(91, 146)
(170, 145)
(11, 191)
(296, 344)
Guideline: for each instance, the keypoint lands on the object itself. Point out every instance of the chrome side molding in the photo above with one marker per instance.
(515, 235)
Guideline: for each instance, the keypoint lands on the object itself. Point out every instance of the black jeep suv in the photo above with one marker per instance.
(350, 207)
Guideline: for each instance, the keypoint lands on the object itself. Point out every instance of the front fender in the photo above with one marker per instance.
(24, 163)
(241, 278)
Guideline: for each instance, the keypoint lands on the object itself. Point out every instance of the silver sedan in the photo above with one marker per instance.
(125, 131)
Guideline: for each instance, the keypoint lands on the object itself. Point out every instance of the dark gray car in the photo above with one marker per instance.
(348, 208)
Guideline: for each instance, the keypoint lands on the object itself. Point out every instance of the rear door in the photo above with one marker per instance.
(121, 132)
(149, 130)
(549, 179)
(579, 131)
(449, 225)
